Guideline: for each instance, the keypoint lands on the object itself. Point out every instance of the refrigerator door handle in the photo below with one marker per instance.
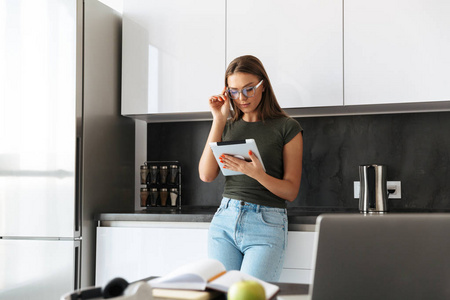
(77, 266)
(78, 188)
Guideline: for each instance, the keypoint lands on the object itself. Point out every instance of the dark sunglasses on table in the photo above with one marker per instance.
(247, 92)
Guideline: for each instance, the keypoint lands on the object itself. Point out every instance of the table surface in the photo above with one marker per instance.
(286, 289)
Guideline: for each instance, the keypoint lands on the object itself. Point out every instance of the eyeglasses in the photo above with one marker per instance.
(247, 92)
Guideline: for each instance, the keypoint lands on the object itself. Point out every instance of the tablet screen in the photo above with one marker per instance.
(238, 149)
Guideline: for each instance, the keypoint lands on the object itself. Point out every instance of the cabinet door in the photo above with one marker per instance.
(298, 263)
(396, 51)
(298, 41)
(173, 55)
(137, 253)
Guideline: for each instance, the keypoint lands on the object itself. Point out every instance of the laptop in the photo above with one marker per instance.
(381, 257)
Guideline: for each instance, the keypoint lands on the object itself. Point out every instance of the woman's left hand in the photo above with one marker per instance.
(250, 168)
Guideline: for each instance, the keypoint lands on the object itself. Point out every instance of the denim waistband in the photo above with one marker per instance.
(228, 202)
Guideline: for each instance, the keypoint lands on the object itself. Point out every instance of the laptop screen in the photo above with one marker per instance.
(390, 256)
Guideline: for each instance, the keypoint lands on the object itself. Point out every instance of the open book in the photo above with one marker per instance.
(207, 273)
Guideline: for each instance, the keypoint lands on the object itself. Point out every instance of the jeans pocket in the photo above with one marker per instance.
(273, 218)
(219, 211)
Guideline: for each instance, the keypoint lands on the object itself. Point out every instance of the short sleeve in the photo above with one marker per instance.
(291, 129)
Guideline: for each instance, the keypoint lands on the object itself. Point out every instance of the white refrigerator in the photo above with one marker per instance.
(66, 153)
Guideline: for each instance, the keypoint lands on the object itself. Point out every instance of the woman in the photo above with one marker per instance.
(249, 230)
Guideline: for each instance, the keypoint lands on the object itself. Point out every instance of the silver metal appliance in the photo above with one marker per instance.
(66, 154)
(373, 188)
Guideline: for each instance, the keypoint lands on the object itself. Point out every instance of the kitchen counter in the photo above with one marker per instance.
(296, 215)
(299, 218)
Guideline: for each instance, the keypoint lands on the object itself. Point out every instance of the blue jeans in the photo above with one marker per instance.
(249, 237)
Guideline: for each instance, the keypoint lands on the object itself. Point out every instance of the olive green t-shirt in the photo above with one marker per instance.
(270, 136)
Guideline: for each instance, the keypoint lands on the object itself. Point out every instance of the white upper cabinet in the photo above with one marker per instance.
(298, 41)
(173, 55)
(396, 51)
(317, 53)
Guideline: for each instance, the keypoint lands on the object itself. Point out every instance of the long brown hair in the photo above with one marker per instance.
(268, 108)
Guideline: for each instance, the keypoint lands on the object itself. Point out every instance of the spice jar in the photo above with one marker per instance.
(163, 172)
(153, 197)
(173, 172)
(173, 196)
(163, 194)
(153, 174)
(144, 173)
(144, 196)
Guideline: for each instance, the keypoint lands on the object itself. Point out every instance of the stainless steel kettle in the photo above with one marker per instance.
(373, 191)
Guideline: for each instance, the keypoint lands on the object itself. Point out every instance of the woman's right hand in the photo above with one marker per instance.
(220, 106)
(220, 109)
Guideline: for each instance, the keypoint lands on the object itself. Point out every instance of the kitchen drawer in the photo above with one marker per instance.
(300, 249)
(136, 253)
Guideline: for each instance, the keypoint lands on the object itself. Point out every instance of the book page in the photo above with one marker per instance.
(191, 276)
(224, 282)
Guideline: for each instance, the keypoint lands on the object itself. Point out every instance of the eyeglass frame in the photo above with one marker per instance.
(241, 91)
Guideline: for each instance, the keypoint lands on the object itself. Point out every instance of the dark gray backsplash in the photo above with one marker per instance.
(415, 147)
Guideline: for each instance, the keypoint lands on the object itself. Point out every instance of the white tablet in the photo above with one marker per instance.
(238, 149)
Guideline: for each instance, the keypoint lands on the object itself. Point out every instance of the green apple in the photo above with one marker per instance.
(246, 290)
